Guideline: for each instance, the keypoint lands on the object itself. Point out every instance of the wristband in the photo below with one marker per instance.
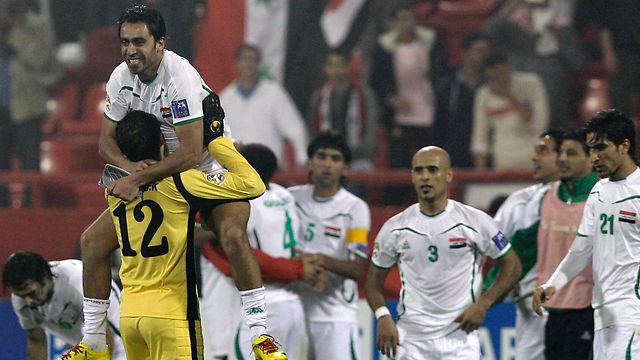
(382, 311)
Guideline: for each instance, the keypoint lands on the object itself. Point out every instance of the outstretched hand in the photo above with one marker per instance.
(472, 317)
(541, 295)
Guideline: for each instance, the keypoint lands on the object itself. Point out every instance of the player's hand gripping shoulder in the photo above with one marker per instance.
(213, 118)
(388, 340)
(541, 295)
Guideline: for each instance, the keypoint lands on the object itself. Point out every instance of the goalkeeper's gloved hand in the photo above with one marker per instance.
(213, 118)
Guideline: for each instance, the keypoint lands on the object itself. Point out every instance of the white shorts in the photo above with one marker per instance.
(617, 342)
(333, 340)
(529, 331)
(457, 345)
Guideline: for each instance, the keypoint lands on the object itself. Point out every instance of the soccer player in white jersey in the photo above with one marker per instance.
(608, 238)
(438, 245)
(519, 218)
(47, 298)
(335, 225)
(160, 82)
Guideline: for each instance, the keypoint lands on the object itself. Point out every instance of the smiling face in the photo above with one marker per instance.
(573, 161)
(431, 175)
(140, 51)
(327, 167)
(35, 293)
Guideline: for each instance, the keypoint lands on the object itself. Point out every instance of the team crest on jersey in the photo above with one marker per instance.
(179, 108)
(627, 216)
(166, 112)
(457, 243)
(500, 240)
(332, 231)
(215, 178)
(107, 104)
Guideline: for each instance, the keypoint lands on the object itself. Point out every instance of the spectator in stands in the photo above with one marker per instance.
(407, 60)
(510, 111)
(455, 96)
(261, 111)
(620, 41)
(347, 108)
(27, 39)
(540, 38)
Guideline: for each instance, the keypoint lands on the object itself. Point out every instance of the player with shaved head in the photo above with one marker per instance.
(438, 245)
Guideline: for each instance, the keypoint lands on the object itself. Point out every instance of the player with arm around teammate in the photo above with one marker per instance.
(160, 82)
(608, 238)
(47, 298)
(438, 244)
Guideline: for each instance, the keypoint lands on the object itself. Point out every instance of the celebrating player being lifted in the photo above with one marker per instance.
(438, 244)
(162, 83)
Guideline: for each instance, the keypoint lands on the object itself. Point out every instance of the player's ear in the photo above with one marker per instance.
(161, 43)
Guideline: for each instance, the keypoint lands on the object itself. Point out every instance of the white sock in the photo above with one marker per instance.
(95, 323)
(255, 310)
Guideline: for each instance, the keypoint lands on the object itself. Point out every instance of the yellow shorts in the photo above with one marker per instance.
(147, 338)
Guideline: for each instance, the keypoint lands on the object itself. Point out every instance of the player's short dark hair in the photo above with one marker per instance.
(496, 57)
(472, 38)
(23, 266)
(246, 46)
(151, 17)
(339, 53)
(615, 126)
(329, 140)
(579, 136)
(138, 136)
(262, 159)
(403, 5)
(557, 135)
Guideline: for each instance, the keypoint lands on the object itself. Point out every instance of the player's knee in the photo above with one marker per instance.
(234, 240)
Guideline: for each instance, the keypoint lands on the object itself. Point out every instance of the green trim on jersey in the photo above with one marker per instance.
(329, 218)
(627, 198)
(473, 275)
(637, 287)
(207, 89)
(627, 355)
(380, 267)
(129, 88)
(459, 224)
(352, 346)
(402, 294)
(255, 233)
(237, 346)
(188, 121)
(506, 252)
(108, 118)
(581, 235)
(410, 230)
(434, 215)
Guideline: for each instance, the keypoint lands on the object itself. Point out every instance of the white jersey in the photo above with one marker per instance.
(519, 211)
(440, 263)
(62, 315)
(609, 235)
(174, 97)
(336, 227)
(273, 228)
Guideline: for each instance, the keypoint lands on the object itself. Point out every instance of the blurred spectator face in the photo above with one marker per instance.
(336, 69)
(545, 160)
(248, 63)
(476, 53)
(573, 161)
(499, 77)
(404, 22)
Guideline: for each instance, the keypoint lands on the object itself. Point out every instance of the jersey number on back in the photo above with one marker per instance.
(156, 220)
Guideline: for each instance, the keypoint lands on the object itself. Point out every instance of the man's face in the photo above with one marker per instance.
(404, 21)
(336, 69)
(327, 167)
(573, 161)
(544, 158)
(248, 63)
(605, 155)
(140, 51)
(35, 293)
(430, 175)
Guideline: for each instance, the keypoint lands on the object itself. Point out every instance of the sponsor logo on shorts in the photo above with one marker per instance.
(215, 178)
(179, 108)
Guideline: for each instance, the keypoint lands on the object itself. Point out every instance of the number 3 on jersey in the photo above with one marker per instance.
(157, 215)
